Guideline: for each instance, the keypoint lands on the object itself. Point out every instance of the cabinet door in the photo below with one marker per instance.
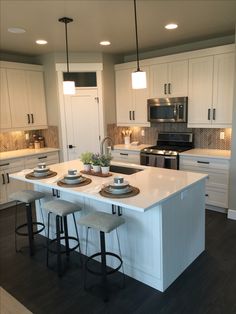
(158, 80)
(124, 97)
(3, 193)
(18, 97)
(178, 79)
(200, 92)
(140, 102)
(223, 89)
(5, 112)
(36, 97)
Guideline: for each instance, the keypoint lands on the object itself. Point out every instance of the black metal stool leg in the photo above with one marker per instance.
(103, 265)
(48, 238)
(30, 228)
(58, 231)
(77, 235)
(122, 266)
(66, 237)
(16, 208)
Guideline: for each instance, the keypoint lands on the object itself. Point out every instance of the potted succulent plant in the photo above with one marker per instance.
(105, 161)
(86, 159)
(96, 163)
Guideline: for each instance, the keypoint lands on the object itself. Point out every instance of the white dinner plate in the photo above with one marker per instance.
(73, 181)
(125, 190)
(119, 185)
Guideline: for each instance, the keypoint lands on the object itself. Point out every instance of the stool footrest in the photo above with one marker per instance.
(17, 230)
(108, 272)
(63, 251)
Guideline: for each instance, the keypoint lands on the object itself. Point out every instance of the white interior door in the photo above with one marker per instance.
(82, 122)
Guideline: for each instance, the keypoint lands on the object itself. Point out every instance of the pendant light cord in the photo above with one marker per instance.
(67, 54)
(136, 34)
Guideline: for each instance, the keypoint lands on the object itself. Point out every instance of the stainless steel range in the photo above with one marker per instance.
(165, 154)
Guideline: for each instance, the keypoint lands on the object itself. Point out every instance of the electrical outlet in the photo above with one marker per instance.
(222, 135)
(142, 133)
(27, 136)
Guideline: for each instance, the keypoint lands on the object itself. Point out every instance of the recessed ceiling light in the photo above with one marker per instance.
(171, 26)
(105, 43)
(16, 30)
(41, 42)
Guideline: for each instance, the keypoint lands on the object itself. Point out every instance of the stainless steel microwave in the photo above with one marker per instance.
(167, 109)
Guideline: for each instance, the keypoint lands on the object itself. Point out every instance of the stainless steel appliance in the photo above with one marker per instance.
(167, 109)
(165, 154)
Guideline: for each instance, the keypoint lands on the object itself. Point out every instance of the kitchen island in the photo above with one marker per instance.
(165, 223)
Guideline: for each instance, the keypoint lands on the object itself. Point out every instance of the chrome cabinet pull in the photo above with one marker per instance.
(28, 116)
(209, 114)
(169, 88)
(32, 118)
(8, 179)
(3, 179)
(214, 114)
(133, 115)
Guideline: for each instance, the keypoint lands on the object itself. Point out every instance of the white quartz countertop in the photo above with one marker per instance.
(211, 153)
(25, 152)
(135, 148)
(156, 184)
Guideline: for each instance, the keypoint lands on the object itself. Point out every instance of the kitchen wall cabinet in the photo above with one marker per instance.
(5, 116)
(218, 178)
(211, 84)
(169, 79)
(131, 105)
(23, 100)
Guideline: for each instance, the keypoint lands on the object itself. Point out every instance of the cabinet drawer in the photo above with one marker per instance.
(48, 158)
(125, 156)
(204, 163)
(217, 197)
(12, 163)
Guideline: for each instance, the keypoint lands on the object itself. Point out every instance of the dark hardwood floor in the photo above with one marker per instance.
(207, 286)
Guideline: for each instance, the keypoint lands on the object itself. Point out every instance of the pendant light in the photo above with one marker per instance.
(68, 86)
(139, 80)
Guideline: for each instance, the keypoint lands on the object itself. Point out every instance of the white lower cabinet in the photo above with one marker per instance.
(218, 178)
(129, 156)
(9, 166)
(9, 185)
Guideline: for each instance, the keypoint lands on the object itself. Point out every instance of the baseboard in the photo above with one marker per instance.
(231, 214)
(217, 209)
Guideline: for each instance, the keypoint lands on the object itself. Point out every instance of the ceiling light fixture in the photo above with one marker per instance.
(16, 30)
(68, 86)
(139, 80)
(41, 42)
(171, 26)
(105, 43)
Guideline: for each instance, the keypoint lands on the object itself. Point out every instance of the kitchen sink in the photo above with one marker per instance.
(124, 170)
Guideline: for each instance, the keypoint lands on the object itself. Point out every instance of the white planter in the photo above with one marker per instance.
(96, 168)
(105, 170)
(87, 167)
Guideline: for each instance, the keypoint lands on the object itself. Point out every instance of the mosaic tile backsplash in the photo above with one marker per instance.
(203, 138)
(17, 140)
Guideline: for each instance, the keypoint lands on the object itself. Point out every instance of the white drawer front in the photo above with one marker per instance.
(49, 159)
(205, 163)
(125, 156)
(12, 163)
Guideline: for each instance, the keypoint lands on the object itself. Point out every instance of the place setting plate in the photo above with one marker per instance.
(119, 188)
(34, 175)
(73, 179)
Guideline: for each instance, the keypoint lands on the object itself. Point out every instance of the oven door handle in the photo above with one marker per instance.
(170, 157)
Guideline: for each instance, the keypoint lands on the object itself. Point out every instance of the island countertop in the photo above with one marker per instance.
(155, 184)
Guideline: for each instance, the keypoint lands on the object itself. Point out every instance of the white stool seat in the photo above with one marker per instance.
(101, 221)
(61, 207)
(26, 196)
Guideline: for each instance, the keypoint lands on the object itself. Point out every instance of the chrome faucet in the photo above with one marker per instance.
(107, 138)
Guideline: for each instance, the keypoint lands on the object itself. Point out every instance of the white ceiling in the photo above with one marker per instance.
(96, 20)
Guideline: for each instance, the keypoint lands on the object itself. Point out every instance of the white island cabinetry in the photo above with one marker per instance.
(163, 232)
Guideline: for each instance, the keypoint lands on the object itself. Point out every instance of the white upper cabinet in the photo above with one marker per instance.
(169, 79)
(131, 105)
(211, 85)
(22, 97)
(5, 111)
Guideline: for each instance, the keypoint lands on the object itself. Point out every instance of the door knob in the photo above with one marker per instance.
(71, 146)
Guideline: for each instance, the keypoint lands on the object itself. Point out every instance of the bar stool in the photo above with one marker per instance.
(104, 223)
(61, 209)
(28, 197)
